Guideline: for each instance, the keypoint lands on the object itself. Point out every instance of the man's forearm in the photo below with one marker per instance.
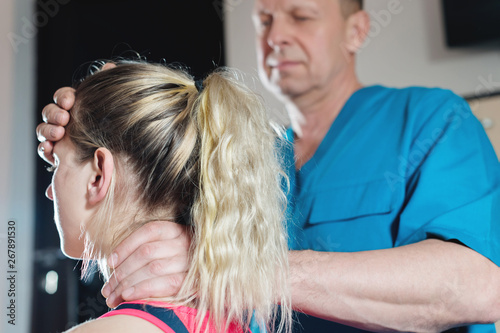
(429, 286)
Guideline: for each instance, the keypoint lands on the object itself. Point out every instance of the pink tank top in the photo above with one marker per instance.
(167, 317)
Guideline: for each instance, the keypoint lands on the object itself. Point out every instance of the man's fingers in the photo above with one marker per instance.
(53, 114)
(156, 250)
(144, 254)
(146, 259)
(165, 286)
(149, 232)
(48, 132)
(45, 151)
(108, 65)
(55, 117)
(65, 97)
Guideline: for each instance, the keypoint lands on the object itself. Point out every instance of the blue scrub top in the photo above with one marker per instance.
(397, 166)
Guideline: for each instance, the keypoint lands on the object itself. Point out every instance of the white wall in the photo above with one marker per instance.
(17, 142)
(405, 47)
(408, 48)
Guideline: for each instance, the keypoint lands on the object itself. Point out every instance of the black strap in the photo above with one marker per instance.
(167, 316)
(199, 85)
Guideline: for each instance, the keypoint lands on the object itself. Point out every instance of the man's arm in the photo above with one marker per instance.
(429, 286)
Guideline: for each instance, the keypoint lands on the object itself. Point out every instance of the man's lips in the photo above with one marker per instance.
(285, 64)
(281, 64)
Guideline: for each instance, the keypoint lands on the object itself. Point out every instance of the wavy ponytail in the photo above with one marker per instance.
(240, 254)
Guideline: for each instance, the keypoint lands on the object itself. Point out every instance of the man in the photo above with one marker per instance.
(394, 193)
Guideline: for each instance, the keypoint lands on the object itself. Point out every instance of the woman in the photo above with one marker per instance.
(145, 143)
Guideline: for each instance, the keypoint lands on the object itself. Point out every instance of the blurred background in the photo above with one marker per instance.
(47, 44)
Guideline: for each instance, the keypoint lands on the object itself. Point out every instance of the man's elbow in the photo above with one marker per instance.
(494, 312)
(489, 307)
(476, 296)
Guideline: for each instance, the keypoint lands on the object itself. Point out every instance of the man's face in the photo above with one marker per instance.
(299, 44)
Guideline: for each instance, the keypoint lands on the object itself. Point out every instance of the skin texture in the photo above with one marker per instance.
(55, 117)
(306, 57)
(68, 190)
(153, 261)
(77, 190)
(298, 43)
(119, 323)
(428, 286)
(306, 53)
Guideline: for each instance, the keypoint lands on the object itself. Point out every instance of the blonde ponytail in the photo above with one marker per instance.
(240, 253)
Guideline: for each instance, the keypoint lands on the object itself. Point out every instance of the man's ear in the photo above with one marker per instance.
(358, 26)
(102, 173)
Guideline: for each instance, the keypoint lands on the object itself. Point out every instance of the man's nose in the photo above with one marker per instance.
(279, 33)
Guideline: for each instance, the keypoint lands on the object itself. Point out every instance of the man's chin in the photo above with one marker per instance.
(284, 91)
(281, 87)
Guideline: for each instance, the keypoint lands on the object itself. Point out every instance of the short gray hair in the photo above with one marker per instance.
(350, 7)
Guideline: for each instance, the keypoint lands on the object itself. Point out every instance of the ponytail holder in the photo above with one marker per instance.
(199, 85)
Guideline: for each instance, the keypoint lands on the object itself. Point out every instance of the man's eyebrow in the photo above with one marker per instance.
(262, 12)
(306, 6)
(309, 6)
(292, 8)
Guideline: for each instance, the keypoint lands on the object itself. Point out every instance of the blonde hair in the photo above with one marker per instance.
(205, 159)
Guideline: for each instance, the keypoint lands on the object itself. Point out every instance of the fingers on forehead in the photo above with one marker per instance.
(53, 114)
(65, 97)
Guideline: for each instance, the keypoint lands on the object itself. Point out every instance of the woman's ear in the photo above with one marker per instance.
(102, 173)
(358, 26)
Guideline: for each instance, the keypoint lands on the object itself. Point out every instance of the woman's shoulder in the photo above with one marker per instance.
(148, 317)
(118, 323)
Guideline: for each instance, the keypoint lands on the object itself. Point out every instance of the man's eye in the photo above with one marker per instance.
(301, 18)
(265, 23)
(264, 20)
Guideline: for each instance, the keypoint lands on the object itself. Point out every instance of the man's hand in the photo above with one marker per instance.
(151, 262)
(55, 116)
